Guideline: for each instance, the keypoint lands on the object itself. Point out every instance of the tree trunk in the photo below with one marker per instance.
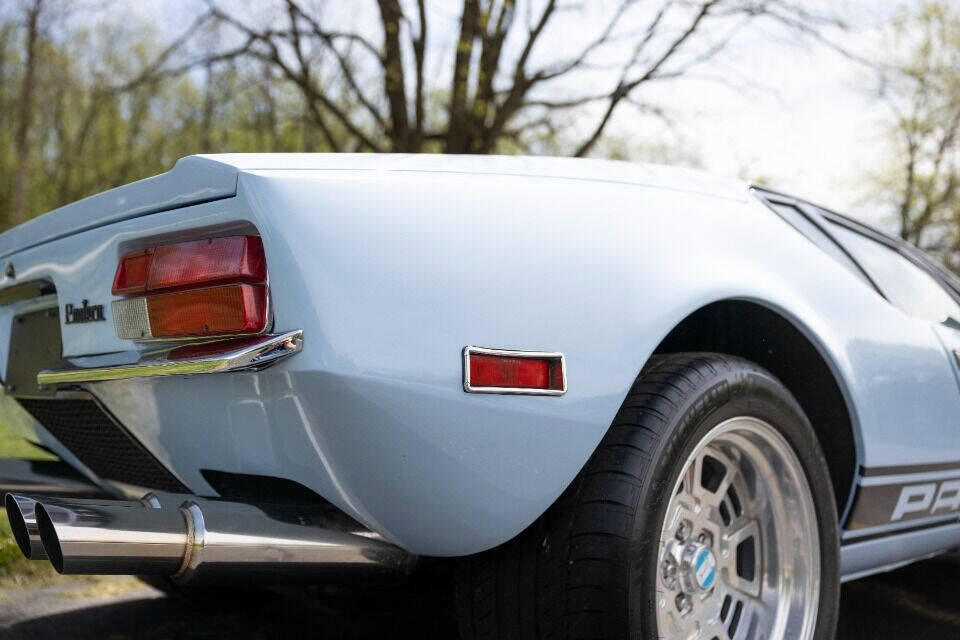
(22, 176)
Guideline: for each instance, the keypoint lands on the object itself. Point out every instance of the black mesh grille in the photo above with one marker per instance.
(99, 442)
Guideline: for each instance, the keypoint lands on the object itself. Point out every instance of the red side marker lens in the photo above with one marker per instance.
(515, 372)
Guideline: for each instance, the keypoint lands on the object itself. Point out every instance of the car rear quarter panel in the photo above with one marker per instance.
(391, 273)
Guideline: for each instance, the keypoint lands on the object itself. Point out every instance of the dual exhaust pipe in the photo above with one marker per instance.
(198, 541)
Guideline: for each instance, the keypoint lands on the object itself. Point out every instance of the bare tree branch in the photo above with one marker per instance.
(157, 68)
(625, 87)
(302, 77)
(375, 99)
(329, 39)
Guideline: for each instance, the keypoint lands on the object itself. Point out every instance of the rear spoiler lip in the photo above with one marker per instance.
(193, 180)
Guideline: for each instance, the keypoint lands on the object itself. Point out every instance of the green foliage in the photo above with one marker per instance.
(15, 569)
(13, 446)
(98, 121)
(922, 182)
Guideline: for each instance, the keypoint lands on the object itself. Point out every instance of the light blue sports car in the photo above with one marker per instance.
(631, 401)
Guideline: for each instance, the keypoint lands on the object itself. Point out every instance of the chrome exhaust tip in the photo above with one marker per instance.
(22, 516)
(21, 513)
(48, 538)
(100, 539)
(211, 542)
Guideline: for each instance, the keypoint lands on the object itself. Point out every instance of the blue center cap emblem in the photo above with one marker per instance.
(705, 568)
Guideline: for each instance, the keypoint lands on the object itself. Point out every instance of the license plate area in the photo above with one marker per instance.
(35, 344)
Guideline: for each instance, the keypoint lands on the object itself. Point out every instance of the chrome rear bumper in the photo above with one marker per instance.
(205, 357)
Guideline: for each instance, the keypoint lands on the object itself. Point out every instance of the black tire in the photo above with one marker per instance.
(588, 567)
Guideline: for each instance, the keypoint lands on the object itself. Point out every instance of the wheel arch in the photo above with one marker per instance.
(773, 339)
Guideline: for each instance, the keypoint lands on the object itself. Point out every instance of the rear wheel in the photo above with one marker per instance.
(706, 512)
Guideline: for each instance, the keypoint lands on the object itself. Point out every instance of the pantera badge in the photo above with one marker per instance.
(84, 314)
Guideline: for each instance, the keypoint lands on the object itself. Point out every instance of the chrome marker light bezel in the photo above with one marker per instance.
(510, 353)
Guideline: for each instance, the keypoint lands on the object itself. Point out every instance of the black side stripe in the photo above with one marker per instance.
(896, 499)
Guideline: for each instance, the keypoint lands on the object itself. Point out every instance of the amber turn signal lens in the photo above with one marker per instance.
(231, 309)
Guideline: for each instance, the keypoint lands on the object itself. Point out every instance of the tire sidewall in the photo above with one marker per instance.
(750, 392)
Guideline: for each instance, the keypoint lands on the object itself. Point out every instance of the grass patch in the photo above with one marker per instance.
(16, 570)
(13, 446)
(102, 586)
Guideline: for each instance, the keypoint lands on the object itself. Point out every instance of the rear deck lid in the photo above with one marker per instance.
(191, 181)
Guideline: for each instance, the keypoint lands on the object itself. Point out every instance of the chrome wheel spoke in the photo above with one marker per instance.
(740, 549)
(709, 477)
(691, 481)
(714, 629)
(747, 617)
(739, 540)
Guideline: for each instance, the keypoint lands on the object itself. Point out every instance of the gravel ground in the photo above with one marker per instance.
(920, 602)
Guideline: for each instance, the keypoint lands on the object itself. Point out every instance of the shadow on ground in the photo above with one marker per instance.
(147, 615)
(921, 602)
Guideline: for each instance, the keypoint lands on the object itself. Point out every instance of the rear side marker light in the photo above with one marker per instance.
(513, 372)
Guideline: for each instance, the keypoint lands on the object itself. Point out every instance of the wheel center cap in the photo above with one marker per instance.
(690, 566)
(704, 568)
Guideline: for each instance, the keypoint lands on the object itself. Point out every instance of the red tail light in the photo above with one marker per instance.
(192, 264)
(202, 288)
(132, 274)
